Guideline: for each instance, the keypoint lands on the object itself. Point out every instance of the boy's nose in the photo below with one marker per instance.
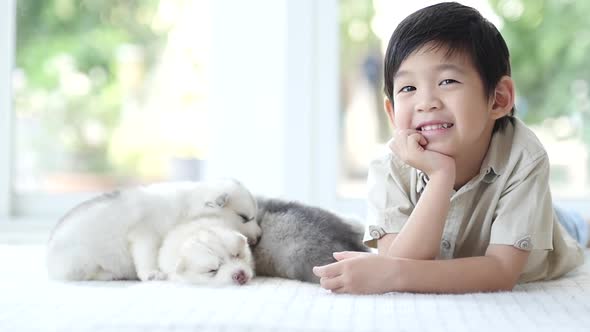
(428, 103)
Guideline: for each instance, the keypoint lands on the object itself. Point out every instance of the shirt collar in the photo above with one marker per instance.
(498, 154)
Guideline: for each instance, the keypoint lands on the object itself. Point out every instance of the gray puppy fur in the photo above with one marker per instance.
(297, 237)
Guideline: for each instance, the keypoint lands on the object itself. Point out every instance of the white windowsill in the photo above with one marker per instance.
(25, 231)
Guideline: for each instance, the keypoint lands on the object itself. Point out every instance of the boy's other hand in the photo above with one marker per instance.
(359, 273)
(410, 146)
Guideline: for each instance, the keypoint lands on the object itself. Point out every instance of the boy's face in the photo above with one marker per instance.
(444, 99)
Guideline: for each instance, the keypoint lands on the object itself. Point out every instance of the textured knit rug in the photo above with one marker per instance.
(29, 302)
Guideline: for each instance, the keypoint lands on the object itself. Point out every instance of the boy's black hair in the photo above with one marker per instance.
(459, 29)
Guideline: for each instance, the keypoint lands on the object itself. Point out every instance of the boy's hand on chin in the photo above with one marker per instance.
(409, 146)
(359, 273)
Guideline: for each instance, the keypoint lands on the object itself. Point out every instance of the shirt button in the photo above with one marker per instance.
(446, 244)
(524, 243)
(376, 232)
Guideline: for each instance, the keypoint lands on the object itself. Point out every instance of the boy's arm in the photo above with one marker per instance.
(385, 242)
(362, 273)
(420, 236)
(498, 270)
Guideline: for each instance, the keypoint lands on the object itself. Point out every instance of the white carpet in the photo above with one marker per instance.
(29, 302)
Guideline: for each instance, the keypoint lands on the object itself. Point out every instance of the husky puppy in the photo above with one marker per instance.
(200, 254)
(296, 237)
(118, 235)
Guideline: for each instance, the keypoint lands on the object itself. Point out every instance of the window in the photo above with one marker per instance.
(107, 94)
(260, 100)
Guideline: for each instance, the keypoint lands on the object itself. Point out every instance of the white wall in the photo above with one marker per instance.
(248, 93)
(274, 99)
(260, 104)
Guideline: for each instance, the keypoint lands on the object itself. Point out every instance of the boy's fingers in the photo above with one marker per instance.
(423, 140)
(331, 283)
(402, 133)
(340, 290)
(414, 142)
(327, 271)
(342, 255)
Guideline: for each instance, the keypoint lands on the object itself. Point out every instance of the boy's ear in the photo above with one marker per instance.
(503, 98)
(389, 110)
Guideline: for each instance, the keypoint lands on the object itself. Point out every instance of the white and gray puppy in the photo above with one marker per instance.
(197, 253)
(297, 237)
(117, 235)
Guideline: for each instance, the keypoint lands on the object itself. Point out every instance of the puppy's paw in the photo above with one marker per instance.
(153, 275)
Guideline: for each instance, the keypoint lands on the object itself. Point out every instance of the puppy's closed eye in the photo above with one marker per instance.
(245, 218)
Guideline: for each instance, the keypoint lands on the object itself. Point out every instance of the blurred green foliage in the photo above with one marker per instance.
(549, 42)
(90, 31)
(67, 51)
(361, 55)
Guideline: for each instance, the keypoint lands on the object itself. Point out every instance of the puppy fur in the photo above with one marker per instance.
(297, 237)
(117, 235)
(212, 255)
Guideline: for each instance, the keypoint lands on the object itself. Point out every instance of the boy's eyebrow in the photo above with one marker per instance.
(439, 68)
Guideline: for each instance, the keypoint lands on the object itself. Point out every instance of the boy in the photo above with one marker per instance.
(467, 183)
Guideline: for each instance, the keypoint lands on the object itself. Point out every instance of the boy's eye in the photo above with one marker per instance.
(407, 88)
(447, 81)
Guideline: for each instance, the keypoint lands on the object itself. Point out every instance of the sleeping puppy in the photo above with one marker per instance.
(117, 235)
(297, 237)
(200, 254)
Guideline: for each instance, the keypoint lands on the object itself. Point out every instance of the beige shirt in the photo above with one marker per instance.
(508, 202)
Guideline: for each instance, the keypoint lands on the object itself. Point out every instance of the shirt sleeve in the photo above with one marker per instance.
(389, 200)
(524, 215)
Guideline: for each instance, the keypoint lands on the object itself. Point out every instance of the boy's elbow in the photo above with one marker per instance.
(506, 285)
(510, 280)
(506, 280)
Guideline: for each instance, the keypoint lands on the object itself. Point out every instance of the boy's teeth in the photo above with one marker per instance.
(437, 126)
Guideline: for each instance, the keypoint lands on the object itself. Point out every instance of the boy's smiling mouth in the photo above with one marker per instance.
(433, 126)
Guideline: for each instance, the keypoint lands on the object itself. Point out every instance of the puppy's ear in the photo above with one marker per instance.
(220, 201)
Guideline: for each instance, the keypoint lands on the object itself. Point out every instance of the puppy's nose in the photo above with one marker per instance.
(240, 277)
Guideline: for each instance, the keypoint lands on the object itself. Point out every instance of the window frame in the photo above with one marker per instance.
(326, 153)
(7, 42)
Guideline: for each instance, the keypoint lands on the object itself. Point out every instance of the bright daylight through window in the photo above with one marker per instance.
(109, 93)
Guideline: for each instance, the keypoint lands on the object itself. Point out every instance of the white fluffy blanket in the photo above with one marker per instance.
(29, 302)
